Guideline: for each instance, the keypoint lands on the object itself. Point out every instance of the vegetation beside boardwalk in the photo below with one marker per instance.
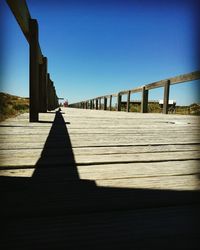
(193, 109)
(11, 105)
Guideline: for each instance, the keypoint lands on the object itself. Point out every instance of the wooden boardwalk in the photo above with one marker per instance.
(99, 179)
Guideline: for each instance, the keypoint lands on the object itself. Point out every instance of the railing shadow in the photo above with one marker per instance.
(57, 145)
(57, 209)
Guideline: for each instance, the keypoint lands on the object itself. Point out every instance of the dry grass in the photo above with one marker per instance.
(11, 105)
(193, 109)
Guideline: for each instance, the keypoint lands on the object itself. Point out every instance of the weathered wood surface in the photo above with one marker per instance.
(22, 15)
(100, 179)
(21, 12)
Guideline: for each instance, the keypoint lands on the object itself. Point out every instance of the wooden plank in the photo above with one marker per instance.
(136, 90)
(116, 171)
(175, 80)
(21, 12)
(138, 170)
(32, 159)
(185, 77)
(124, 92)
(103, 150)
(156, 84)
(119, 230)
(104, 137)
(188, 182)
(22, 15)
(43, 130)
(84, 144)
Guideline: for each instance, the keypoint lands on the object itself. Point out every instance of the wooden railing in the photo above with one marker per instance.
(95, 103)
(42, 95)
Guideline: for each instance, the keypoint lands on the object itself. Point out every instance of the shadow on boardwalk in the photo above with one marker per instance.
(55, 209)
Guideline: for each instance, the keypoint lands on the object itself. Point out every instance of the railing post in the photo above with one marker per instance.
(105, 103)
(34, 71)
(92, 103)
(166, 97)
(54, 98)
(43, 86)
(144, 103)
(45, 79)
(99, 103)
(48, 91)
(96, 104)
(119, 99)
(50, 94)
(110, 107)
(128, 101)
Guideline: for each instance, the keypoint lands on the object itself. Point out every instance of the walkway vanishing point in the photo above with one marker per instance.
(94, 179)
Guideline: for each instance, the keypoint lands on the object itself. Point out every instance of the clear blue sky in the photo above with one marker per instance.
(102, 47)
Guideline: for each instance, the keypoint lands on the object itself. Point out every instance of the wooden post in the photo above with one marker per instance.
(110, 107)
(105, 103)
(51, 95)
(48, 91)
(100, 106)
(97, 104)
(90, 104)
(45, 79)
(144, 103)
(53, 100)
(40, 92)
(34, 71)
(43, 86)
(128, 101)
(56, 100)
(166, 97)
(119, 99)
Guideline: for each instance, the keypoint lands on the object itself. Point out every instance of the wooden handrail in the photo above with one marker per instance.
(144, 89)
(42, 91)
